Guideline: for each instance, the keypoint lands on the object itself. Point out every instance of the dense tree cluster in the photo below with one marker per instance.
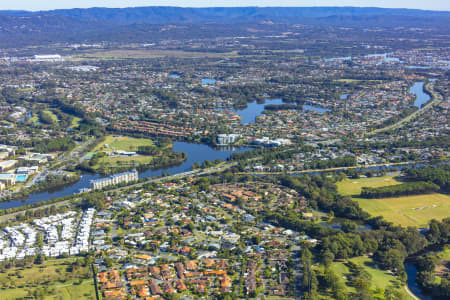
(345, 161)
(322, 193)
(404, 189)
(390, 244)
(439, 175)
(426, 277)
(57, 144)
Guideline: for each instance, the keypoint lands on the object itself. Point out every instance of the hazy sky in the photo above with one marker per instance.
(55, 4)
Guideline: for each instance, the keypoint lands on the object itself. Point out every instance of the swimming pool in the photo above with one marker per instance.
(6, 176)
(21, 178)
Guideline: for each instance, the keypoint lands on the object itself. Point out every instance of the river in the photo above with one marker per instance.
(413, 286)
(195, 153)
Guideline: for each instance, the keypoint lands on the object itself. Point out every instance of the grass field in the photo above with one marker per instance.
(142, 53)
(108, 162)
(445, 253)
(75, 122)
(122, 143)
(351, 187)
(52, 115)
(34, 118)
(53, 277)
(406, 211)
(379, 279)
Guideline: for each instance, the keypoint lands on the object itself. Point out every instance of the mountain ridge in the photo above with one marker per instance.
(174, 14)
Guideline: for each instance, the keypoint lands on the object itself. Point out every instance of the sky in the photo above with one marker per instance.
(35, 5)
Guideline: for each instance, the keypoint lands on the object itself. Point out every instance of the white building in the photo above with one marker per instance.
(48, 58)
(115, 179)
(226, 139)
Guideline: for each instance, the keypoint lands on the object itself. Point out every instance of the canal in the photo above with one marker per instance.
(421, 96)
(195, 153)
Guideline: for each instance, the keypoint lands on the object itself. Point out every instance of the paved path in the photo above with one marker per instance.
(411, 293)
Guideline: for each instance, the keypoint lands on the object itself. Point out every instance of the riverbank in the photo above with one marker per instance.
(411, 294)
(196, 153)
(50, 183)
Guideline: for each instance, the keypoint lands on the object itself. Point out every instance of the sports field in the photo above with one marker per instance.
(406, 211)
(124, 143)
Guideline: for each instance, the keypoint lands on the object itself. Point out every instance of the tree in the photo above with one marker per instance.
(39, 260)
(327, 258)
(393, 293)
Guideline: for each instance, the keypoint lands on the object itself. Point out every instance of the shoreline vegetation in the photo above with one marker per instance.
(115, 154)
(51, 183)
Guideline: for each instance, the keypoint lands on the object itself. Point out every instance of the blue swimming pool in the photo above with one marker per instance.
(4, 176)
(21, 178)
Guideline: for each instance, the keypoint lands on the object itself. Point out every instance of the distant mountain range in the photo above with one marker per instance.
(23, 27)
(165, 14)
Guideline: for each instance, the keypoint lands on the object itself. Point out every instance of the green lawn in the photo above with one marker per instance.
(445, 253)
(53, 276)
(122, 143)
(350, 187)
(52, 115)
(34, 118)
(75, 122)
(379, 279)
(415, 210)
(124, 161)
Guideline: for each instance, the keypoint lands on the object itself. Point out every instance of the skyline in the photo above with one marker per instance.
(43, 5)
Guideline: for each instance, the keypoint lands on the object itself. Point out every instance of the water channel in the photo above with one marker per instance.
(200, 153)
(254, 109)
(421, 96)
(413, 286)
(195, 153)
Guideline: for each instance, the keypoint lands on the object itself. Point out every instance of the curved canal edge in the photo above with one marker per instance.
(412, 287)
(411, 293)
(195, 153)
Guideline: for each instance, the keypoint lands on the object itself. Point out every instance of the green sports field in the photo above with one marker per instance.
(415, 210)
(51, 280)
(124, 143)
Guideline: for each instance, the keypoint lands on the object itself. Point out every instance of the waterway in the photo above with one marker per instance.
(413, 286)
(317, 109)
(208, 81)
(255, 109)
(421, 96)
(195, 153)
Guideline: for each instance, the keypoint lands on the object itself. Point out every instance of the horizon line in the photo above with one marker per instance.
(203, 7)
